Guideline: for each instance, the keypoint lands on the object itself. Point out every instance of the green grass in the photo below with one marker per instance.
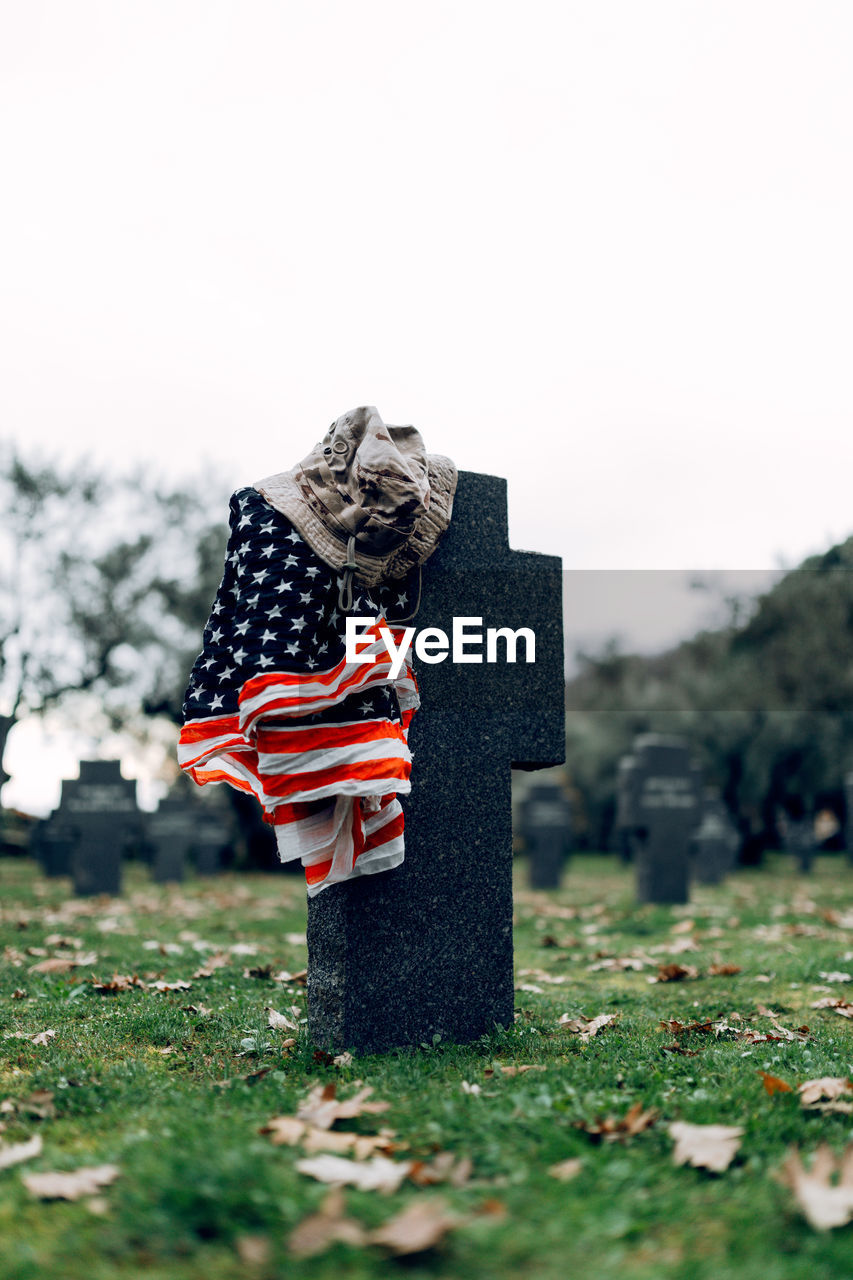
(197, 1177)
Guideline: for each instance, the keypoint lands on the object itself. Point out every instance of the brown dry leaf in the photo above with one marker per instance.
(684, 926)
(60, 940)
(634, 1121)
(16, 1152)
(826, 1094)
(118, 982)
(376, 1174)
(279, 1022)
(258, 971)
(444, 1167)
(585, 1027)
(62, 964)
(724, 970)
(285, 1131)
(779, 1032)
(177, 985)
(774, 1085)
(421, 1225)
(253, 1251)
(677, 1048)
(70, 1186)
(43, 1037)
(19, 994)
(299, 979)
(211, 964)
(824, 1204)
(566, 1169)
(202, 1011)
(705, 1146)
(675, 973)
(326, 1227)
(322, 1108)
(843, 1007)
(517, 1070)
(38, 1104)
(360, 1145)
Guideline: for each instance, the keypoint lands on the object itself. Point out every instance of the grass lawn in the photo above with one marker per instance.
(173, 1086)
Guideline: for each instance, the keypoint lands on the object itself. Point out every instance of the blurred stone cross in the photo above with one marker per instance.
(101, 807)
(425, 950)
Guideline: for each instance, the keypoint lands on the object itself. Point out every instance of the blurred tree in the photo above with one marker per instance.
(105, 584)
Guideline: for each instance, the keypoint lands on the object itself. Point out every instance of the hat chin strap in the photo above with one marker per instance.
(345, 589)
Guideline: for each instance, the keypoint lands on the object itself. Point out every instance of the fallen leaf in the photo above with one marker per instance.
(322, 1107)
(15, 1153)
(118, 982)
(420, 1226)
(634, 1121)
(677, 1048)
(517, 1070)
(705, 1146)
(211, 964)
(258, 971)
(836, 976)
(774, 1085)
(843, 1007)
(824, 1094)
(177, 985)
(70, 1186)
(285, 1131)
(19, 994)
(299, 979)
(824, 1204)
(200, 1009)
(253, 1251)
(62, 964)
(43, 1037)
(724, 970)
(376, 1174)
(566, 1169)
(468, 1087)
(326, 1227)
(280, 1023)
(444, 1167)
(675, 973)
(585, 1027)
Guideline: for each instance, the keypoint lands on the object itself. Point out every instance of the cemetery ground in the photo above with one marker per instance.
(159, 1040)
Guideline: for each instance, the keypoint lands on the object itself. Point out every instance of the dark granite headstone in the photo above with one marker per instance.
(799, 840)
(426, 949)
(101, 807)
(171, 831)
(626, 821)
(210, 839)
(714, 842)
(53, 844)
(848, 826)
(667, 811)
(545, 827)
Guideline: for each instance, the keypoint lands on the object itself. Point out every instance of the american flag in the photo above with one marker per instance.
(273, 707)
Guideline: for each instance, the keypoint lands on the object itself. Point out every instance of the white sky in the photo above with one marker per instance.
(604, 250)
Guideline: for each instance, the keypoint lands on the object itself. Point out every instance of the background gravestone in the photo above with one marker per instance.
(545, 826)
(626, 820)
(211, 838)
(798, 837)
(170, 832)
(848, 826)
(714, 842)
(425, 950)
(667, 811)
(101, 808)
(53, 842)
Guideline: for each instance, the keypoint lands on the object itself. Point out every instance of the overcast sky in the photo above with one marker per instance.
(603, 250)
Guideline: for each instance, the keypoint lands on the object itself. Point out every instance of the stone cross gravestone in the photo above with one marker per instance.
(101, 807)
(848, 826)
(171, 830)
(53, 844)
(667, 811)
(714, 841)
(625, 819)
(425, 950)
(211, 835)
(546, 829)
